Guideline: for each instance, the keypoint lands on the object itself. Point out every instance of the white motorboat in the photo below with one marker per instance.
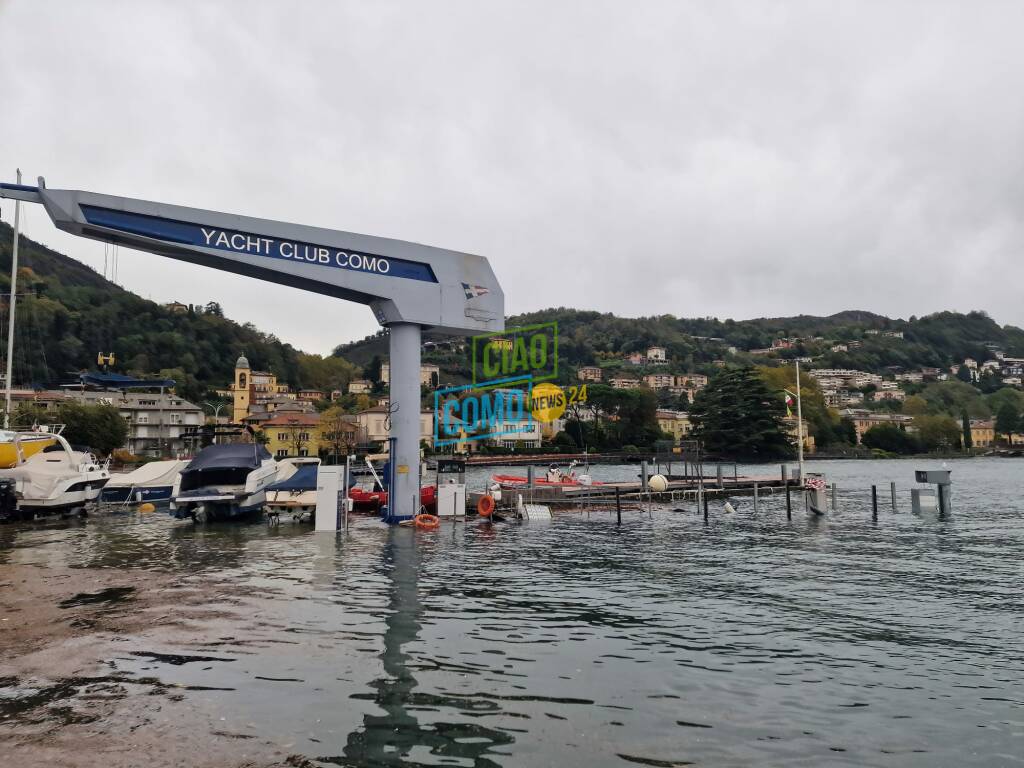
(224, 482)
(57, 479)
(150, 482)
(294, 491)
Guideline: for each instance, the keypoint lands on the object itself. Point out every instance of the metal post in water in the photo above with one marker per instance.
(643, 475)
(344, 493)
(718, 472)
(618, 505)
(789, 502)
(529, 476)
(892, 490)
(705, 506)
(874, 501)
(784, 481)
(755, 496)
(834, 497)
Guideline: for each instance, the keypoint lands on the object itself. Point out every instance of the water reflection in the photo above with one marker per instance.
(398, 735)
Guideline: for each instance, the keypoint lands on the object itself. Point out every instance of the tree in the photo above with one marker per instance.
(737, 416)
(964, 374)
(1007, 419)
(965, 425)
(338, 432)
(937, 433)
(915, 405)
(97, 426)
(889, 437)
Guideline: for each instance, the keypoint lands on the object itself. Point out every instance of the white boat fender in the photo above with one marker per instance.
(730, 508)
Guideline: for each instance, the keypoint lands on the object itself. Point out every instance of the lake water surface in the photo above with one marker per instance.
(747, 640)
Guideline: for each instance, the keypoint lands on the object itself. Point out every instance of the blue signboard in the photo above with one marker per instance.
(175, 231)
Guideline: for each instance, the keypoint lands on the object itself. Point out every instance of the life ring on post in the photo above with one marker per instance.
(485, 507)
(427, 521)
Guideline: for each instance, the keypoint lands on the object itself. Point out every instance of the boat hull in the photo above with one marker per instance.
(121, 494)
(9, 454)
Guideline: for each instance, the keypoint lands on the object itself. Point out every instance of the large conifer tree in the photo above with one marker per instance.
(737, 416)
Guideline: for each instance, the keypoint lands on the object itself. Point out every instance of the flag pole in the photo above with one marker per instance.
(10, 323)
(799, 425)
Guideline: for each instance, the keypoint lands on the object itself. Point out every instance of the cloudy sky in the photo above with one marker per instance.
(692, 158)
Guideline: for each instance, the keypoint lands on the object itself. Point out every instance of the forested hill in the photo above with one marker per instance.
(67, 313)
(693, 344)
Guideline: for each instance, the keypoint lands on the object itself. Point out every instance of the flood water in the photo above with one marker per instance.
(749, 639)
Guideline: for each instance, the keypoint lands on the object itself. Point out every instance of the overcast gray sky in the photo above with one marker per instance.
(692, 158)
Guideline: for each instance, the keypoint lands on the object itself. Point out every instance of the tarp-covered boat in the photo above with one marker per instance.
(150, 482)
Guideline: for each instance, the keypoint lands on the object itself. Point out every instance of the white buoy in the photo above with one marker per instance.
(657, 483)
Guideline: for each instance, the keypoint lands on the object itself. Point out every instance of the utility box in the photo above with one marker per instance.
(933, 476)
(940, 498)
(329, 488)
(451, 499)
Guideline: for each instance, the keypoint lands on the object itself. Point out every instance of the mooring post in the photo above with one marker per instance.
(833, 497)
(718, 469)
(618, 505)
(705, 506)
(529, 476)
(643, 475)
(735, 472)
(789, 501)
(892, 490)
(874, 501)
(784, 481)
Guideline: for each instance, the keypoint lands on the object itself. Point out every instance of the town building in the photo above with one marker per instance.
(158, 424)
(656, 356)
(659, 380)
(675, 423)
(790, 424)
(177, 307)
(252, 388)
(864, 420)
(589, 373)
(429, 374)
(983, 433)
(309, 395)
(636, 358)
(293, 433)
(624, 383)
(373, 425)
(360, 387)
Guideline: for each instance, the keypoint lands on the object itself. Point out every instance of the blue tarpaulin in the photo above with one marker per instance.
(120, 381)
(304, 479)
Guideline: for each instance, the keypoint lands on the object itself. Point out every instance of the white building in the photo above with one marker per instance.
(157, 424)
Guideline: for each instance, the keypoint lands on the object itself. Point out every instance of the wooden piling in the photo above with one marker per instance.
(833, 497)
(755, 497)
(789, 501)
(892, 490)
(618, 505)
(874, 501)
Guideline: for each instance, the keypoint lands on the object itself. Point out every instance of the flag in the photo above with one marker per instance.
(474, 291)
(789, 405)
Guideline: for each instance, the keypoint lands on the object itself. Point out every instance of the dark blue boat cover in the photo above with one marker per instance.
(231, 456)
(303, 480)
(120, 381)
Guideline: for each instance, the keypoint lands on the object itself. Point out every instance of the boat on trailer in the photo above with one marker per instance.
(151, 482)
(57, 480)
(224, 482)
(294, 491)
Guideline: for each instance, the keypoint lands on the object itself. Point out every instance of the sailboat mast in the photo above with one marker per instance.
(10, 323)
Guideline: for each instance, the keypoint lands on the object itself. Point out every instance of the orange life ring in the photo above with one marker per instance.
(485, 506)
(427, 521)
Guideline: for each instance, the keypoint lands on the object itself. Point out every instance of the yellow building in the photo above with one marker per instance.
(252, 388)
(293, 433)
(791, 429)
(983, 433)
(675, 423)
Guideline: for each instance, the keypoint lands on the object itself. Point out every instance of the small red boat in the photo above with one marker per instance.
(371, 501)
(565, 481)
